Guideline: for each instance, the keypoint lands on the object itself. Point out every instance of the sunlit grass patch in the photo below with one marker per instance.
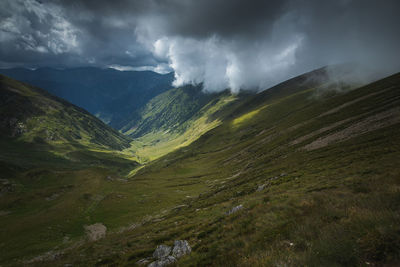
(246, 117)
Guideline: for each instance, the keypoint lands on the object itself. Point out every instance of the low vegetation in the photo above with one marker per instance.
(332, 205)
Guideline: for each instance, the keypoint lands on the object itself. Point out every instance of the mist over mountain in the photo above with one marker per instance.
(109, 94)
(199, 133)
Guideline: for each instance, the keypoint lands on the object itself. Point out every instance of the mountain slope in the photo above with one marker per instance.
(56, 162)
(180, 116)
(176, 118)
(303, 174)
(314, 175)
(33, 115)
(169, 110)
(109, 94)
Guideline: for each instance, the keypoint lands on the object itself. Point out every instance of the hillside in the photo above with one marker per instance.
(175, 119)
(33, 115)
(179, 116)
(109, 94)
(55, 160)
(41, 130)
(303, 174)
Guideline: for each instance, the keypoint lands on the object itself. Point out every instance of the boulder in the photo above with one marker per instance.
(181, 248)
(161, 252)
(162, 262)
(261, 187)
(95, 231)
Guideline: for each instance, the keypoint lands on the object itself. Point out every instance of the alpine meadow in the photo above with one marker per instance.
(199, 133)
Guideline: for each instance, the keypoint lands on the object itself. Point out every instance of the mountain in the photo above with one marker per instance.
(54, 156)
(179, 116)
(174, 119)
(38, 129)
(302, 174)
(109, 94)
(33, 115)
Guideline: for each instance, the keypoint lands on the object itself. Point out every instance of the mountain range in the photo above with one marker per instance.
(111, 95)
(304, 173)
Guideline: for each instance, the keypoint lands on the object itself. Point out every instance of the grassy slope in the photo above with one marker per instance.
(336, 205)
(43, 118)
(178, 117)
(332, 206)
(175, 119)
(54, 163)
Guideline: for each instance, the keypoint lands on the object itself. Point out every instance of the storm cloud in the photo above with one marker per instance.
(220, 43)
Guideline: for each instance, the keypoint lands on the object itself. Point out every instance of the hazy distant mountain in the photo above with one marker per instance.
(109, 94)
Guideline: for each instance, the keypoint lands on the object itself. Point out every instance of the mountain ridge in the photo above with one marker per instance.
(36, 103)
(109, 94)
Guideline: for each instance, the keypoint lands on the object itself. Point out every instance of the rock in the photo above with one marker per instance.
(181, 248)
(179, 207)
(162, 254)
(144, 261)
(162, 262)
(48, 256)
(95, 231)
(5, 187)
(261, 187)
(235, 209)
(50, 136)
(52, 197)
(162, 251)
(17, 128)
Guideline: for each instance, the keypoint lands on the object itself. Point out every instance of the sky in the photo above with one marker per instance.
(233, 44)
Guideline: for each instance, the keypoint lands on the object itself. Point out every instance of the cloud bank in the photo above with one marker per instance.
(221, 44)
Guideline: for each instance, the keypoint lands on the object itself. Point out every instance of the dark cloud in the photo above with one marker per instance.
(54, 33)
(221, 43)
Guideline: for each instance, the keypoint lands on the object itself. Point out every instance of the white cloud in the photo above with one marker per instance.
(221, 65)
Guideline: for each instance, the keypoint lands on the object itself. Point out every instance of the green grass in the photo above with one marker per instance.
(48, 119)
(161, 141)
(333, 206)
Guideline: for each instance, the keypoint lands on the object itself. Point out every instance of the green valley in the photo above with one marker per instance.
(301, 174)
(199, 133)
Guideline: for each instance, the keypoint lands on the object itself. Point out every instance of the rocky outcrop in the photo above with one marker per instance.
(181, 248)
(13, 126)
(163, 262)
(265, 185)
(95, 231)
(261, 187)
(161, 252)
(163, 257)
(234, 209)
